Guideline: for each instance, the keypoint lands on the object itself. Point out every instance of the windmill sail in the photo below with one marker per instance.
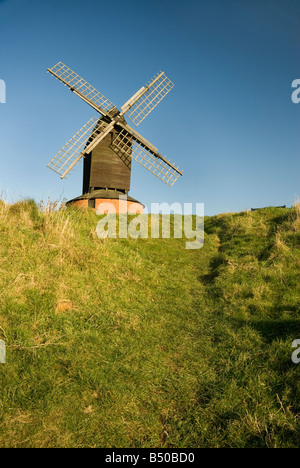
(81, 87)
(147, 98)
(72, 151)
(126, 147)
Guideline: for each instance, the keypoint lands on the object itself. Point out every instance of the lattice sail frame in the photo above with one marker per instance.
(126, 148)
(154, 93)
(70, 154)
(74, 81)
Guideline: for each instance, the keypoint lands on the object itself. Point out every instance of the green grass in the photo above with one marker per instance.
(143, 343)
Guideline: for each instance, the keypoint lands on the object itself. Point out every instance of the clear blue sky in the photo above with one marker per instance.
(229, 122)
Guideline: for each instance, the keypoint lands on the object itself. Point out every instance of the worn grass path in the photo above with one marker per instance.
(142, 343)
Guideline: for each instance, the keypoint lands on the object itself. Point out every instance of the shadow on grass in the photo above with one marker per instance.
(274, 329)
(214, 265)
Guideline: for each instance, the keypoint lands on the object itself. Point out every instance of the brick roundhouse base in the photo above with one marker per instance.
(108, 202)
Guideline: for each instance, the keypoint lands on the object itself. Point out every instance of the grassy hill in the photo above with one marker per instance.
(143, 343)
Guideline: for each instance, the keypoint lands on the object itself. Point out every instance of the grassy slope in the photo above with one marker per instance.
(142, 343)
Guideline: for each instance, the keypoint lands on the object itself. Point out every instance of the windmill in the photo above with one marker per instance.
(108, 144)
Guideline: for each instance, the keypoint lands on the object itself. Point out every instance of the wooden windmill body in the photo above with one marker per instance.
(108, 144)
(104, 169)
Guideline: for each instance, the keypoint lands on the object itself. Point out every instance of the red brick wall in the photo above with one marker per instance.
(112, 206)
